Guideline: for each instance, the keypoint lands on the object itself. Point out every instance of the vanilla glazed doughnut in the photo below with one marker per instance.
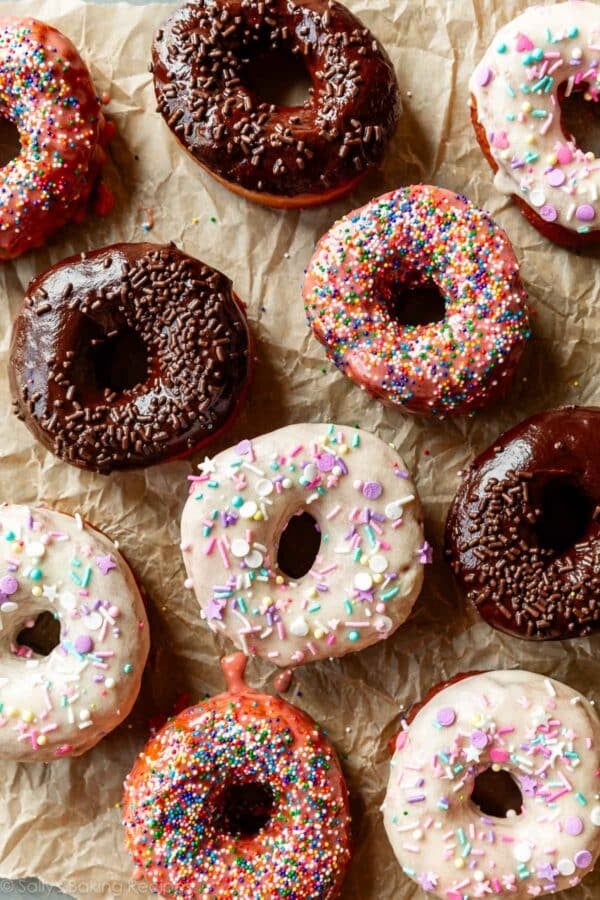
(367, 572)
(540, 57)
(547, 738)
(64, 703)
(241, 796)
(416, 238)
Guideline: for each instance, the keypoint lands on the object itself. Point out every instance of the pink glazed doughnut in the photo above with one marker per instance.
(420, 237)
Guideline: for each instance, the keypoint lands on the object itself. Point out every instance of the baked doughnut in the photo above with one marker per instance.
(412, 240)
(128, 356)
(523, 532)
(282, 156)
(47, 92)
(305, 543)
(241, 796)
(62, 701)
(533, 63)
(493, 789)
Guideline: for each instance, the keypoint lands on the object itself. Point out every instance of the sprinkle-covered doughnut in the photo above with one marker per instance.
(47, 92)
(128, 356)
(241, 796)
(523, 533)
(368, 551)
(447, 821)
(533, 63)
(63, 703)
(286, 156)
(419, 237)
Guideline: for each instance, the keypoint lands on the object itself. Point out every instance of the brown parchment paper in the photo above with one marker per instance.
(61, 822)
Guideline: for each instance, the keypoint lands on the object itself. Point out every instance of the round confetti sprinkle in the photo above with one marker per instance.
(573, 825)
(8, 585)
(445, 716)
(84, 643)
(583, 859)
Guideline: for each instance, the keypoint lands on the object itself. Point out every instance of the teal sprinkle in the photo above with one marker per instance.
(292, 467)
(523, 872)
(510, 117)
(237, 500)
(410, 872)
(353, 636)
(389, 594)
(501, 48)
(458, 768)
(242, 605)
(539, 113)
(356, 440)
(75, 578)
(127, 668)
(198, 496)
(76, 562)
(87, 577)
(466, 851)
(573, 32)
(531, 157)
(35, 574)
(237, 464)
(525, 88)
(214, 513)
(583, 229)
(580, 799)
(371, 535)
(212, 483)
(443, 756)
(348, 606)
(331, 429)
(510, 91)
(206, 530)
(321, 490)
(462, 838)
(64, 700)
(275, 466)
(357, 554)
(315, 607)
(10, 536)
(443, 804)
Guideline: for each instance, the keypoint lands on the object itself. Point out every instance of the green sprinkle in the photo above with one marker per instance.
(353, 636)
(127, 668)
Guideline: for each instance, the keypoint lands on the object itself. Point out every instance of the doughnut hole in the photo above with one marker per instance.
(298, 545)
(10, 142)
(497, 794)
(112, 360)
(245, 808)
(41, 634)
(411, 303)
(580, 117)
(564, 513)
(279, 76)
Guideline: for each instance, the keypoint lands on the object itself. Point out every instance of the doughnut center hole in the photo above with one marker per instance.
(246, 807)
(417, 304)
(580, 117)
(42, 635)
(497, 794)
(279, 77)
(10, 143)
(120, 362)
(565, 514)
(298, 545)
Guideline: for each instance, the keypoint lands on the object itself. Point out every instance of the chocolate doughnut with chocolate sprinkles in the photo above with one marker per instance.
(282, 156)
(129, 356)
(523, 532)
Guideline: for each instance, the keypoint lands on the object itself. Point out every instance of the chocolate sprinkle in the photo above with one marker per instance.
(129, 313)
(202, 64)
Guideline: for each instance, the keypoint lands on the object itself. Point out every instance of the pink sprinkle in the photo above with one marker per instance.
(501, 140)
(297, 450)
(555, 177)
(210, 547)
(524, 43)
(223, 552)
(484, 76)
(401, 740)
(506, 730)
(564, 155)
(333, 513)
(498, 755)
(331, 639)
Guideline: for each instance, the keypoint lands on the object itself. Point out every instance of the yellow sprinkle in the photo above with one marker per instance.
(258, 516)
(36, 591)
(343, 449)
(279, 579)
(41, 739)
(27, 715)
(11, 711)
(526, 106)
(531, 139)
(459, 863)
(552, 159)
(319, 633)
(313, 593)
(195, 220)
(496, 767)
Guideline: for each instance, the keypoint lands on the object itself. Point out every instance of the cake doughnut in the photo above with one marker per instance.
(241, 796)
(275, 155)
(414, 239)
(47, 92)
(305, 543)
(533, 63)
(61, 701)
(447, 809)
(128, 356)
(523, 532)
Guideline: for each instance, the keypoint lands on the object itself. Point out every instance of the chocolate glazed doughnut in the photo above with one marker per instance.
(283, 156)
(128, 356)
(523, 532)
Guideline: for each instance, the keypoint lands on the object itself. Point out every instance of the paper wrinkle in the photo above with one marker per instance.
(61, 822)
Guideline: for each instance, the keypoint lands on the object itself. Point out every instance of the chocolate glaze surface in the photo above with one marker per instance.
(128, 356)
(523, 532)
(201, 61)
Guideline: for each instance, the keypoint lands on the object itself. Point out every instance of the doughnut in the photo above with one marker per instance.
(128, 356)
(534, 63)
(279, 156)
(47, 92)
(61, 700)
(523, 532)
(473, 750)
(416, 239)
(241, 796)
(305, 543)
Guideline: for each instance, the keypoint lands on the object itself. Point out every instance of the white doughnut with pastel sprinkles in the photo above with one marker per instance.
(62, 703)
(546, 737)
(368, 569)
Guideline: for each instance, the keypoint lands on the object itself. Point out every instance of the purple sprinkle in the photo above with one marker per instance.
(573, 825)
(418, 799)
(445, 717)
(549, 213)
(325, 462)
(372, 490)
(556, 177)
(84, 643)
(479, 739)
(340, 462)
(244, 447)
(583, 859)
(585, 212)
(484, 76)
(9, 585)
(401, 473)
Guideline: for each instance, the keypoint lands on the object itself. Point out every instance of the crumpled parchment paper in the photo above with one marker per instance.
(61, 822)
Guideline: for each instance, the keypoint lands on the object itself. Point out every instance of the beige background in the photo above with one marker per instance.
(62, 822)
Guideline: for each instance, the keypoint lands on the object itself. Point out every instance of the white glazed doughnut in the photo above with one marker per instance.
(515, 89)
(547, 737)
(63, 703)
(369, 568)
